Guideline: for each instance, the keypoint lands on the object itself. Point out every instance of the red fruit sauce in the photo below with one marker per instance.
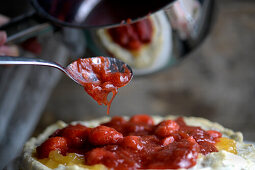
(132, 36)
(106, 81)
(134, 144)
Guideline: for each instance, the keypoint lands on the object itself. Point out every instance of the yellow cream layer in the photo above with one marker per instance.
(55, 159)
(226, 144)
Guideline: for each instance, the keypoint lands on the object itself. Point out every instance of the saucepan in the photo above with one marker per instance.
(177, 29)
(78, 13)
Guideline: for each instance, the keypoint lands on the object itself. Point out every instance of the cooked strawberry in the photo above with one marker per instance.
(117, 123)
(166, 128)
(101, 155)
(54, 143)
(142, 119)
(132, 142)
(214, 134)
(76, 135)
(167, 140)
(103, 135)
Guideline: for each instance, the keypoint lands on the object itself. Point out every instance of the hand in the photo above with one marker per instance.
(10, 50)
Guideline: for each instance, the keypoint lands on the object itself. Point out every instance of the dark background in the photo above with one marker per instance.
(13, 8)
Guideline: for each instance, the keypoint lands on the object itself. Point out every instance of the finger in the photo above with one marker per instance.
(3, 37)
(10, 50)
(3, 19)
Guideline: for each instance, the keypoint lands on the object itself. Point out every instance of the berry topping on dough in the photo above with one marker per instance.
(134, 143)
(140, 142)
(52, 144)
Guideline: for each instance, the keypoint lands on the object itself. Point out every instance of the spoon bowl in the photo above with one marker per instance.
(89, 70)
(82, 71)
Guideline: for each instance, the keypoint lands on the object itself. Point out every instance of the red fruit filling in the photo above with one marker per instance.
(134, 143)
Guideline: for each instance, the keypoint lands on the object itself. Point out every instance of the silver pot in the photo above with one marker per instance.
(186, 24)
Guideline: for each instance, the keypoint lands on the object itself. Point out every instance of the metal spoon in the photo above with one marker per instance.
(114, 66)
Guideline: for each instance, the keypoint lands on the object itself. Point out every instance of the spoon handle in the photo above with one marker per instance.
(7, 60)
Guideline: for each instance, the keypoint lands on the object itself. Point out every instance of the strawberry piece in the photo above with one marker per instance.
(167, 140)
(103, 135)
(101, 156)
(76, 135)
(118, 123)
(214, 133)
(116, 120)
(142, 119)
(132, 142)
(166, 128)
(54, 143)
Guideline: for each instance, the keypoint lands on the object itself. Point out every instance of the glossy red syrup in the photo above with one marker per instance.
(132, 36)
(105, 80)
(134, 144)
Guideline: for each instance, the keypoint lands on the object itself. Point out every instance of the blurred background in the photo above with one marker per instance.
(216, 80)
